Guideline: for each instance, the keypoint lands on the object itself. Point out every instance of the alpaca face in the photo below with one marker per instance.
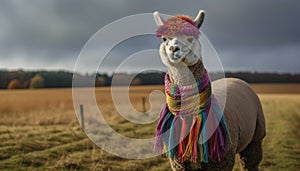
(179, 34)
(181, 50)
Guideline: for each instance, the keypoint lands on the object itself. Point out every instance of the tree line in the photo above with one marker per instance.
(21, 79)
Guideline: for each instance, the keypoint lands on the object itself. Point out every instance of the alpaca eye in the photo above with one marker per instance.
(190, 40)
(164, 39)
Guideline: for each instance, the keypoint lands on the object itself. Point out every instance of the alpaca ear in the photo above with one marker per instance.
(158, 19)
(199, 19)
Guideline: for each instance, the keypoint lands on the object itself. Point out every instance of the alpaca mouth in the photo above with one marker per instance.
(176, 56)
(175, 59)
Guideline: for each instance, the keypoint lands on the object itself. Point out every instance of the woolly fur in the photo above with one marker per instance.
(242, 111)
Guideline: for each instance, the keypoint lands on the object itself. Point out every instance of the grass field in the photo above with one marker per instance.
(39, 131)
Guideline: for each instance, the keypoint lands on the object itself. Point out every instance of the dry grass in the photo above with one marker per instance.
(36, 107)
(39, 131)
(277, 88)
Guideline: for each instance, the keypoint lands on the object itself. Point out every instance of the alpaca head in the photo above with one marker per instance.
(179, 34)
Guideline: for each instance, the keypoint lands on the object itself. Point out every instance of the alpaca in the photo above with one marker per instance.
(242, 124)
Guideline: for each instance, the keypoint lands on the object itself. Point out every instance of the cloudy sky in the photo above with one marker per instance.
(256, 35)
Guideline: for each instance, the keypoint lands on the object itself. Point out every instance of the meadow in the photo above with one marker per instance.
(39, 130)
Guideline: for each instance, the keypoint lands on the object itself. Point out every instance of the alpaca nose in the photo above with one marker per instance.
(174, 48)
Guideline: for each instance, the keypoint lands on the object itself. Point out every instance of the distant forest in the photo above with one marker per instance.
(61, 79)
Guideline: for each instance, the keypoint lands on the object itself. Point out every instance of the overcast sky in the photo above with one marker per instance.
(256, 35)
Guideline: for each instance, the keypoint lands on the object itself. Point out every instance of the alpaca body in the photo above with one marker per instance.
(242, 109)
(244, 116)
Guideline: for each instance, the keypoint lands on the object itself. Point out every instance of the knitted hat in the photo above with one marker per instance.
(178, 26)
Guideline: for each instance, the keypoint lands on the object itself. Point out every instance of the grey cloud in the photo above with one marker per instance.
(52, 32)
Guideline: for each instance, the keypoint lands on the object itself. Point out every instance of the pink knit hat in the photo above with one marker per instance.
(178, 26)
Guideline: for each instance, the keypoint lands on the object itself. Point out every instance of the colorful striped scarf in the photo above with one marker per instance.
(191, 124)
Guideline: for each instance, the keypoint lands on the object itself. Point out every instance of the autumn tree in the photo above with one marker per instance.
(100, 81)
(136, 81)
(37, 82)
(14, 84)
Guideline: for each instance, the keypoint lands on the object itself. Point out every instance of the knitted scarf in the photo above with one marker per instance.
(191, 124)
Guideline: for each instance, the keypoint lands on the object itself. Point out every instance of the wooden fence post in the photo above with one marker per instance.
(82, 116)
(144, 104)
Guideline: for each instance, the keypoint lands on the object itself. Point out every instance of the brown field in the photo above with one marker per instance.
(39, 130)
(277, 88)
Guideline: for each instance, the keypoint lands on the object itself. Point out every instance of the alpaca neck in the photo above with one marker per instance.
(185, 75)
